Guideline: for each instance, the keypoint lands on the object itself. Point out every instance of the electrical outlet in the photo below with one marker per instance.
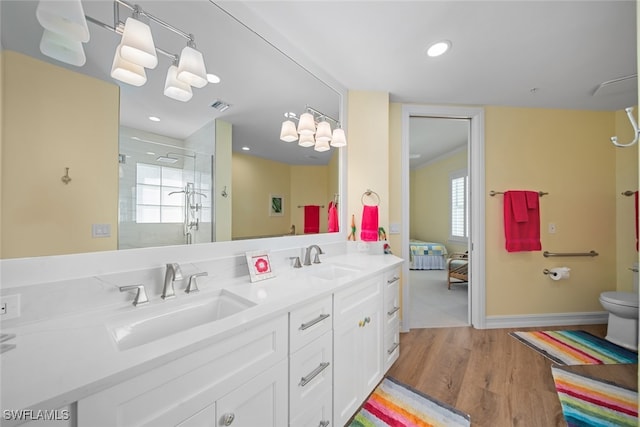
(10, 306)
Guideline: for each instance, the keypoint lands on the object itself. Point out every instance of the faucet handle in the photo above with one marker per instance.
(316, 259)
(141, 294)
(193, 285)
(177, 272)
(296, 261)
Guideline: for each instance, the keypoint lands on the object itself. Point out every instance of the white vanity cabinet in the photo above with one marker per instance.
(311, 364)
(391, 350)
(240, 380)
(358, 348)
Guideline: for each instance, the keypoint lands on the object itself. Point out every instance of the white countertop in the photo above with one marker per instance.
(61, 360)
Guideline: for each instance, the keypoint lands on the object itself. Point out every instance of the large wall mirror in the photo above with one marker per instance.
(209, 170)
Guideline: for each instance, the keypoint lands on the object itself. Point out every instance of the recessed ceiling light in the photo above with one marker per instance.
(246, 148)
(212, 78)
(438, 48)
(154, 118)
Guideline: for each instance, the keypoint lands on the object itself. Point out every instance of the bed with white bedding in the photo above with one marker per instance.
(427, 255)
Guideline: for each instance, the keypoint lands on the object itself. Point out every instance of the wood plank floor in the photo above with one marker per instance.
(490, 375)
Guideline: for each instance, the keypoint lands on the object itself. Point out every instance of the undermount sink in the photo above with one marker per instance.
(333, 271)
(159, 322)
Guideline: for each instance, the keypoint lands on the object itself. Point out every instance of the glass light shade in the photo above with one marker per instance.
(322, 146)
(338, 139)
(307, 140)
(191, 68)
(137, 44)
(65, 18)
(288, 131)
(306, 125)
(63, 49)
(323, 133)
(126, 71)
(176, 89)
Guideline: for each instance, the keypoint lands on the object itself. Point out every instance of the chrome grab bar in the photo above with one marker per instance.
(393, 311)
(307, 379)
(313, 322)
(393, 348)
(547, 254)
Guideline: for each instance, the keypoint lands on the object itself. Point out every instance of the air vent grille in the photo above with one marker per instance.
(220, 105)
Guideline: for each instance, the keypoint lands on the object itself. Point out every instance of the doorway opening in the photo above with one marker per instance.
(438, 238)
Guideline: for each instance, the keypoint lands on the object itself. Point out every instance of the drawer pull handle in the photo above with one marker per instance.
(313, 322)
(324, 423)
(227, 419)
(393, 348)
(307, 379)
(393, 280)
(393, 311)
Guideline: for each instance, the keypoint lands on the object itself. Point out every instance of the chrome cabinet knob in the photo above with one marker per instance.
(227, 419)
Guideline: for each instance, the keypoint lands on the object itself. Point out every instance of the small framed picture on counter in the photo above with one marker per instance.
(259, 265)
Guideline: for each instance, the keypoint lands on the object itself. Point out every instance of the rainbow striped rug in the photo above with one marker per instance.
(575, 347)
(395, 404)
(588, 402)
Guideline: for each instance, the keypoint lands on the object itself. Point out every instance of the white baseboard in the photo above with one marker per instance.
(550, 319)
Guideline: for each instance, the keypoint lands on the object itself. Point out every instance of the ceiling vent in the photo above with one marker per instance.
(220, 105)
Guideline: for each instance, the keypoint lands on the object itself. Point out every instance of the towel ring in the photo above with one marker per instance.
(369, 193)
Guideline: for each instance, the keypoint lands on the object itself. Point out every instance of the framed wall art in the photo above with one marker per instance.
(276, 205)
(259, 265)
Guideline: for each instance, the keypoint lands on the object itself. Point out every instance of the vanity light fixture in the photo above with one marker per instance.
(65, 29)
(313, 130)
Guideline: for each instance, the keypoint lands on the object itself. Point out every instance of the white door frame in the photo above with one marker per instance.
(477, 204)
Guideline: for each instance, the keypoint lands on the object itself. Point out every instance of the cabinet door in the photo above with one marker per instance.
(371, 346)
(347, 372)
(263, 401)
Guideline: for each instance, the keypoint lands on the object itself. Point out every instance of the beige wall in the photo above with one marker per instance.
(430, 200)
(77, 127)
(568, 154)
(254, 179)
(368, 153)
(223, 177)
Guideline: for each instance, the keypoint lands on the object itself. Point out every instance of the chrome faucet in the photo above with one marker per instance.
(172, 274)
(307, 255)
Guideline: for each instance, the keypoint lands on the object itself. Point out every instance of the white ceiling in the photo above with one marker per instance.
(547, 54)
(501, 51)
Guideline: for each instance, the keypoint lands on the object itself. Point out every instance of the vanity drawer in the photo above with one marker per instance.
(391, 281)
(310, 374)
(392, 305)
(309, 322)
(391, 347)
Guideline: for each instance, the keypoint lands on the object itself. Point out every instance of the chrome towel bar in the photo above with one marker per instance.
(547, 254)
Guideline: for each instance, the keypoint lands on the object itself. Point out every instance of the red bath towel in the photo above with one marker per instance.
(636, 197)
(522, 221)
(311, 219)
(369, 228)
(332, 222)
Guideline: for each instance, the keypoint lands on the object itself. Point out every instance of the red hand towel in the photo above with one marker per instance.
(369, 228)
(522, 235)
(636, 197)
(311, 219)
(332, 222)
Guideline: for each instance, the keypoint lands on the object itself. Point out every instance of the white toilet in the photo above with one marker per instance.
(622, 328)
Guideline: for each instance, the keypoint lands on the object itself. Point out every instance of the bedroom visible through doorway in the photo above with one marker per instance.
(439, 221)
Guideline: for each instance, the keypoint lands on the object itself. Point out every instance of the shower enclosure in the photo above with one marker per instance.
(165, 194)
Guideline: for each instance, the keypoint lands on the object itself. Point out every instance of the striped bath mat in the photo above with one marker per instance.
(575, 348)
(588, 402)
(395, 404)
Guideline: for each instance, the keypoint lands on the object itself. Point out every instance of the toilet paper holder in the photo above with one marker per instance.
(560, 273)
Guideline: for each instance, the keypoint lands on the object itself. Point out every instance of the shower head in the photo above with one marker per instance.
(166, 159)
